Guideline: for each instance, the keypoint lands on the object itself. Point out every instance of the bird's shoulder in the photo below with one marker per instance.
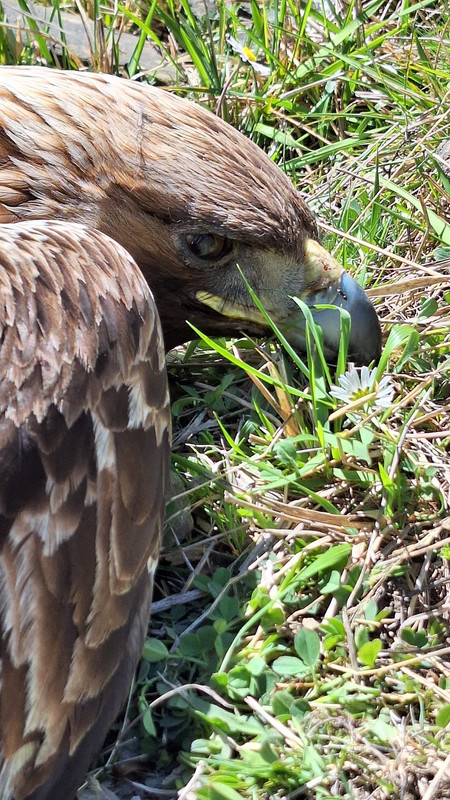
(84, 431)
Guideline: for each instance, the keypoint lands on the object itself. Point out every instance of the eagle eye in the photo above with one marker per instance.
(208, 246)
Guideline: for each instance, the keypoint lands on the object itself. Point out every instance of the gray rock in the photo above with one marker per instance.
(79, 37)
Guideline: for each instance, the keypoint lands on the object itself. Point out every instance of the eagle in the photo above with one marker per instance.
(125, 214)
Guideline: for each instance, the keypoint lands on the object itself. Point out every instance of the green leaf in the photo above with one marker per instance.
(154, 650)
(383, 731)
(332, 557)
(429, 308)
(281, 703)
(147, 721)
(190, 645)
(256, 665)
(220, 626)
(289, 666)
(314, 760)
(362, 636)
(441, 253)
(415, 638)
(229, 608)
(218, 791)
(443, 717)
(371, 610)
(332, 584)
(272, 618)
(220, 579)
(399, 335)
(439, 225)
(368, 652)
(275, 135)
(307, 646)
(239, 679)
(225, 720)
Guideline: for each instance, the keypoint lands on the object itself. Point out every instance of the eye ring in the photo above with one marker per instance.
(208, 246)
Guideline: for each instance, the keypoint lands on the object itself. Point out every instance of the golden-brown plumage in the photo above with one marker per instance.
(83, 398)
(84, 433)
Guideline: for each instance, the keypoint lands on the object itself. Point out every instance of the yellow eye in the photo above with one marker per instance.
(208, 246)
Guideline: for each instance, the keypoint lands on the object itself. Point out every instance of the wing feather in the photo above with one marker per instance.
(84, 439)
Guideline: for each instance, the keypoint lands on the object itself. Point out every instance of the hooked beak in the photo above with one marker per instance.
(336, 288)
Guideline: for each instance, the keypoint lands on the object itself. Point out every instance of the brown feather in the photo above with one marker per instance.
(78, 535)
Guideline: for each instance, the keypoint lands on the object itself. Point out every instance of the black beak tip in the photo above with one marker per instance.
(365, 337)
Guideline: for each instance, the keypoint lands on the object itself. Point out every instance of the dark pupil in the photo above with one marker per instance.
(205, 245)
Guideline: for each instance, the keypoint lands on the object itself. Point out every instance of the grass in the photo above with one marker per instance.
(299, 645)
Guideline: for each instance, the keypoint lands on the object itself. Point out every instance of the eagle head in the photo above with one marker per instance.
(204, 212)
